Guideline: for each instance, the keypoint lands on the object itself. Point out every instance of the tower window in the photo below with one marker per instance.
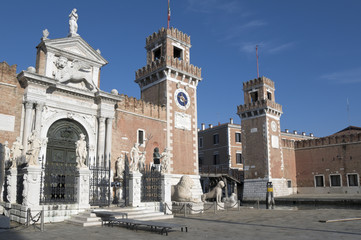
(269, 96)
(335, 180)
(157, 53)
(200, 142)
(216, 160)
(352, 180)
(238, 137)
(239, 158)
(177, 53)
(254, 96)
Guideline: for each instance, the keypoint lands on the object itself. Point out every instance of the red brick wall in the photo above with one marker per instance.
(11, 97)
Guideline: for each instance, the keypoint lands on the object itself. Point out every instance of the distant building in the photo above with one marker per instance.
(293, 162)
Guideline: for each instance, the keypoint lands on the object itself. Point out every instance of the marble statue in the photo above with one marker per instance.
(216, 193)
(45, 34)
(142, 161)
(232, 200)
(120, 164)
(16, 152)
(6, 153)
(165, 161)
(73, 25)
(81, 151)
(182, 191)
(34, 145)
(134, 158)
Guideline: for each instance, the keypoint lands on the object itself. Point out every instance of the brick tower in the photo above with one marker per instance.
(262, 152)
(170, 80)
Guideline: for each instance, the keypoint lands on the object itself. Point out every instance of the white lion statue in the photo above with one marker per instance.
(214, 193)
(182, 191)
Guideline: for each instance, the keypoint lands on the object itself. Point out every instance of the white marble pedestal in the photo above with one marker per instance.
(166, 193)
(83, 178)
(11, 184)
(31, 192)
(134, 188)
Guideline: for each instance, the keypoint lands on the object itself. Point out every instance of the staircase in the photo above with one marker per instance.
(87, 218)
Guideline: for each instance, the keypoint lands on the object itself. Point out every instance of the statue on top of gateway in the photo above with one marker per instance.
(73, 25)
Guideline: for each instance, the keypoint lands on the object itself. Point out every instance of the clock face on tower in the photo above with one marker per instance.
(182, 99)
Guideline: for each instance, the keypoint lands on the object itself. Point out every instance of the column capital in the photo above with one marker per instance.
(39, 105)
(29, 104)
(101, 119)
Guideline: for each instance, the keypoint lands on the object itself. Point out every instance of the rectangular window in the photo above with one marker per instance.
(200, 142)
(216, 160)
(319, 181)
(216, 138)
(200, 160)
(238, 137)
(156, 54)
(254, 96)
(335, 180)
(352, 180)
(269, 96)
(289, 183)
(239, 158)
(177, 53)
(140, 137)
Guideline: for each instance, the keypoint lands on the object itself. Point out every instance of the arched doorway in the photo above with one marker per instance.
(60, 166)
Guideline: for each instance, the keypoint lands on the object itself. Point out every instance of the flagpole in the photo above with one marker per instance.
(168, 13)
(257, 61)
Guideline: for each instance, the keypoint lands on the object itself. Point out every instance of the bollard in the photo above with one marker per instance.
(185, 210)
(270, 201)
(42, 220)
(28, 217)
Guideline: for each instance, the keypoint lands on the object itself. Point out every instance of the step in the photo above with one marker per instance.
(160, 217)
(86, 218)
(84, 224)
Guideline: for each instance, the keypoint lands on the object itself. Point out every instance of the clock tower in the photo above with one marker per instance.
(261, 137)
(171, 81)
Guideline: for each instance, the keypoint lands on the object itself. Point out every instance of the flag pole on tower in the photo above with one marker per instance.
(257, 61)
(168, 13)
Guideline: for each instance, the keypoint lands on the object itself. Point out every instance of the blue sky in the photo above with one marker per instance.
(310, 49)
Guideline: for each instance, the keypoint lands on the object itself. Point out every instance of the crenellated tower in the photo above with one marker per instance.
(171, 81)
(262, 151)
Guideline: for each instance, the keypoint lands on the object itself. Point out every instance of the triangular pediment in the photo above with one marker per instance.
(74, 47)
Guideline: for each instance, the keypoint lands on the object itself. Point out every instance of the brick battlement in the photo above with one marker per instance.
(261, 104)
(327, 141)
(174, 63)
(288, 143)
(138, 106)
(258, 81)
(7, 73)
(172, 32)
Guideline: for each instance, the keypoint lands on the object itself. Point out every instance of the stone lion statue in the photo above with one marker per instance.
(182, 191)
(214, 193)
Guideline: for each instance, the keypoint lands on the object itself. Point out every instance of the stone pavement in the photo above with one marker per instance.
(244, 224)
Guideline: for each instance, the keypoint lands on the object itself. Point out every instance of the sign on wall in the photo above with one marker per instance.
(183, 121)
(7, 123)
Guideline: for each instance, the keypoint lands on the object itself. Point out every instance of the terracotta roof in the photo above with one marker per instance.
(348, 130)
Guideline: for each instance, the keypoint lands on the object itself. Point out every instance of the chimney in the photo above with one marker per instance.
(231, 120)
(287, 131)
(210, 126)
(295, 132)
(303, 134)
(311, 134)
(203, 126)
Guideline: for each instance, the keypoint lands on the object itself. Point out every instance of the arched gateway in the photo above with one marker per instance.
(60, 165)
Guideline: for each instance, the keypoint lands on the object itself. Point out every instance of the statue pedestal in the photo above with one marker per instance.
(31, 192)
(83, 178)
(167, 192)
(135, 179)
(11, 184)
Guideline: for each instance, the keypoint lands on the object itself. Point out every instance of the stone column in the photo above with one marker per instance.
(31, 192)
(11, 184)
(83, 178)
(134, 188)
(108, 142)
(101, 141)
(27, 124)
(166, 192)
(38, 114)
